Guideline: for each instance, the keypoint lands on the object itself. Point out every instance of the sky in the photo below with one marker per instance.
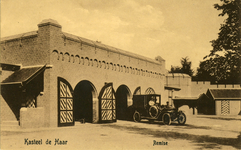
(172, 29)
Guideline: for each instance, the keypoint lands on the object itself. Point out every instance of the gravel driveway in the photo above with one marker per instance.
(199, 132)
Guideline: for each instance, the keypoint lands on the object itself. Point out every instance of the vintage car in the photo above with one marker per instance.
(149, 107)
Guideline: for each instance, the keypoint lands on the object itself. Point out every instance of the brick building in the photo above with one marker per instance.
(52, 78)
(220, 101)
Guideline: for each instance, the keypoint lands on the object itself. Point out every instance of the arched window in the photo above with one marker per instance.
(118, 68)
(66, 57)
(111, 66)
(103, 64)
(61, 56)
(150, 91)
(55, 54)
(82, 60)
(87, 63)
(77, 59)
(72, 58)
(95, 63)
(114, 67)
(91, 62)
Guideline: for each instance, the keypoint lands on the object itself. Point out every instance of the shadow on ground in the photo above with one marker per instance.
(202, 141)
(187, 126)
(219, 118)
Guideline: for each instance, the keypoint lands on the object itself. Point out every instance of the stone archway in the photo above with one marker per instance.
(84, 93)
(122, 95)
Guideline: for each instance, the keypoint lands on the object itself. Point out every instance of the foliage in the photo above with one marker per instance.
(186, 67)
(223, 62)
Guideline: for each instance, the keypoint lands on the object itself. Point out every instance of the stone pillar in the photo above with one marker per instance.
(194, 111)
(49, 38)
(95, 110)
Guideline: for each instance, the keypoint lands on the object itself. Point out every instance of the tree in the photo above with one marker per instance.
(225, 67)
(186, 67)
(175, 69)
(203, 72)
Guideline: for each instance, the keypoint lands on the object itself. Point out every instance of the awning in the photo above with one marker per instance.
(10, 67)
(172, 88)
(185, 98)
(24, 75)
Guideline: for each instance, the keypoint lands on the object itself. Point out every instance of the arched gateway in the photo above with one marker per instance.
(122, 95)
(84, 93)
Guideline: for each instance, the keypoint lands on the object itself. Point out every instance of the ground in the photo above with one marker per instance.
(199, 132)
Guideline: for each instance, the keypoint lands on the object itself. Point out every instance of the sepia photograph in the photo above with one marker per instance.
(120, 74)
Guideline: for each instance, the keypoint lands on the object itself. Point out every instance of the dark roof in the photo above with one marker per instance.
(10, 67)
(225, 93)
(24, 75)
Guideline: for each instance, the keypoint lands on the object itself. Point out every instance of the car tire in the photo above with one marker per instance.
(166, 118)
(137, 116)
(153, 111)
(181, 119)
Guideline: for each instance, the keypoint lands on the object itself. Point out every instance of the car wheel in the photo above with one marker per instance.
(166, 118)
(153, 111)
(181, 118)
(136, 116)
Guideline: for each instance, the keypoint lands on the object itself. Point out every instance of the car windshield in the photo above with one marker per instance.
(157, 100)
(154, 100)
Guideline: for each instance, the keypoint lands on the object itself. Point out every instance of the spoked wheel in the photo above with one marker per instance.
(136, 116)
(181, 118)
(153, 111)
(166, 118)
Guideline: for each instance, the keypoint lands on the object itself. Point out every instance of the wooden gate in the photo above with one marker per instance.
(107, 104)
(65, 103)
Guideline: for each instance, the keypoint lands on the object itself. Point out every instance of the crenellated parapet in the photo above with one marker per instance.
(95, 63)
(97, 50)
